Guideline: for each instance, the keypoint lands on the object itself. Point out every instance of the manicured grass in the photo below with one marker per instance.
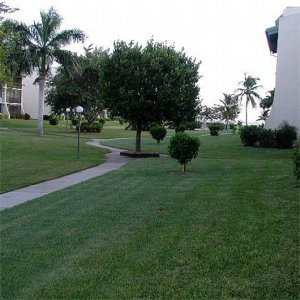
(112, 129)
(226, 229)
(27, 159)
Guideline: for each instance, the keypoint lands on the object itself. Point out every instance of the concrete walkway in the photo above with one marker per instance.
(114, 162)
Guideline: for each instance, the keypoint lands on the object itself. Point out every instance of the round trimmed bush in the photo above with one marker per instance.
(214, 129)
(27, 116)
(158, 132)
(184, 148)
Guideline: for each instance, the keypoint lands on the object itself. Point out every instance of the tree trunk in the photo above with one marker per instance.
(246, 113)
(138, 139)
(42, 81)
(184, 166)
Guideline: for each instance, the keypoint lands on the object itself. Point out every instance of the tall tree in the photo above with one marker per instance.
(151, 84)
(266, 104)
(249, 91)
(43, 43)
(6, 74)
(229, 108)
(79, 85)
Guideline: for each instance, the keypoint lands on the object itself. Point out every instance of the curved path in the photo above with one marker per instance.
(16, 197)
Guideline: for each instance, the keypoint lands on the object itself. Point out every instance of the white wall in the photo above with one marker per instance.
(286, 106)
(30, 97)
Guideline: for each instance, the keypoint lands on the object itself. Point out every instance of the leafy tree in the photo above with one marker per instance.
(211, 113)
(5, 9)
(184, 148)
(151, 84)
(42, 45)
(266, 104)
(248, 91)
(79, 85)
(5, 72)
(229, 109)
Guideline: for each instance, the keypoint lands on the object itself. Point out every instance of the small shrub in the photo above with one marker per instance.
(17, 116)
(296, 160)
(183, 148)
(94, 127)
(27, 116)
(3, 117)
(214, 129)
(266, 138)
(46, 117)
(285, 135)
(249, 135)
(158, 132)
(74, 122)
(53, 121)
(97, 127)
(233, 128)
(121, 120)
(102, 121)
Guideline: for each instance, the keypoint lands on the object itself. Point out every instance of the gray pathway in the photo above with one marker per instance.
(114, 162)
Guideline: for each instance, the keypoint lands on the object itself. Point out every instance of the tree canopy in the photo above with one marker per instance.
(148, 84)
(41, 44)
(79, 85)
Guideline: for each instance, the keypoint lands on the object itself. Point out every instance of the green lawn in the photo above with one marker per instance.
(27, 159)
(229, 228)
(112, 129)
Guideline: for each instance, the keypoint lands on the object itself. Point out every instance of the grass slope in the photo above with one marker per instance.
(226, 229)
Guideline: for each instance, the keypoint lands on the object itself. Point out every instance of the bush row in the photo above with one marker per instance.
(25, 116)
(283, 137)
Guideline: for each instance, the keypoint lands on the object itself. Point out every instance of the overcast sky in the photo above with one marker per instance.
(227, 36)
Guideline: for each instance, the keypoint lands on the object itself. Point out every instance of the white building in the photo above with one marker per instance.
(284, 39)
(22, 98)
(30, 97)
(11, 99)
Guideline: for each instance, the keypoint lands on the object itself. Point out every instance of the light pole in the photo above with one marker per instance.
(67, 115)
(79, 110)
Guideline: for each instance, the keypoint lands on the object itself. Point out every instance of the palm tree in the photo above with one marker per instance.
(229, 108)
(248, 90)
(43, 44)
(266, 104)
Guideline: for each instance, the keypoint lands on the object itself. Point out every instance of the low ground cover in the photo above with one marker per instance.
(27, 159)
(226, 229)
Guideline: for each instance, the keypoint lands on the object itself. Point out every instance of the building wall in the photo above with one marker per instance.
(30, 97)
(286, 106)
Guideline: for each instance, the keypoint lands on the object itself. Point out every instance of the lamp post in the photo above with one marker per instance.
(79, 110)
(67, 115)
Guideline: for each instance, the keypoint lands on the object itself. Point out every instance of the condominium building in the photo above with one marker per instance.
(11, 98)
(284, 42)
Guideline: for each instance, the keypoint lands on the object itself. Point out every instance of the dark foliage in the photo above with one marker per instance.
(184, 148)
(249, 134)
(285, 135)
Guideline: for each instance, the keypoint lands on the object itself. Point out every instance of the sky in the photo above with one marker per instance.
(227, 36)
